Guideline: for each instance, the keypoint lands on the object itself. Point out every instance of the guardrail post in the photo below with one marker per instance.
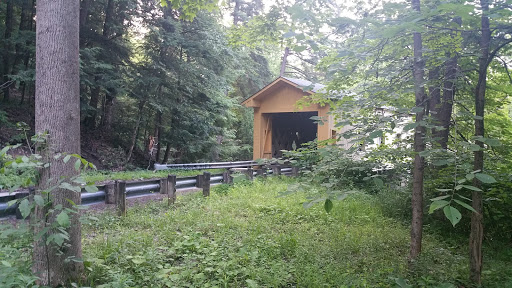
(199, 180)
(276, 170)
(171, 189)
(121, 198)
(163, 186)
(250, 174)
(19, 196)
(110, 191)
(226, 177)
(260, 172)
(206, 184)
(295, 171)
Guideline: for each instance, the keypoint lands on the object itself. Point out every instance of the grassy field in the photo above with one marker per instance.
(243, 236)
(104, 176)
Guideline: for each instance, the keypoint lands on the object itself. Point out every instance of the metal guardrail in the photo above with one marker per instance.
(133, 189)
(199, 166)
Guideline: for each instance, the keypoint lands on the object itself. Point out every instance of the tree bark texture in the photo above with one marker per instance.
(477, 233)
(135, 132)
(7, 53)
(25, 25)
(167, 153)
(158, 135)
(58, 113)
(236, 12)
(108, 113)
(419, 146)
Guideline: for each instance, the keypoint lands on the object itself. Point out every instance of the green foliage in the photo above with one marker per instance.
(15, 256)
(250, 237)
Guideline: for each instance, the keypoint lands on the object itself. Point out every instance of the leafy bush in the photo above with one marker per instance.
(16, 255)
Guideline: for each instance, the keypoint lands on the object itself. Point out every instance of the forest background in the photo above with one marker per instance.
(149, 71)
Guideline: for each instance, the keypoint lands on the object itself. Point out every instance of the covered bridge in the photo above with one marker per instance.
(277, 122)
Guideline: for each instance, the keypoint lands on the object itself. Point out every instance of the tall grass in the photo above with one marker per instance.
(244, 236)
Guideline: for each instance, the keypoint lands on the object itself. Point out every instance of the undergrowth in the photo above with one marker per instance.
(243, 236)
(246, 236)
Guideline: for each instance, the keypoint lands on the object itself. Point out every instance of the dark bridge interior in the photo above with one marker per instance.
(288, 128)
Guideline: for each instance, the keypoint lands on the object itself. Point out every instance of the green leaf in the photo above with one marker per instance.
(24, 208)
(39, 200)
(70, 187)
(410, 126)
(452, 214)
(7, 264)
(470, 176)
(66, 159)
(440, 162)
(378, 182)
(328, 205)
(441, 197)
(401, 282)
(474, 147)
(417, 109)
(472, 188)
(78, 163)
(63, 219)
(465, 205)
(493, 142)
(289, 34)
(443, 190)
(91, 188)
(12, 202)
(484, 178)
(375, 134)
(436, 205)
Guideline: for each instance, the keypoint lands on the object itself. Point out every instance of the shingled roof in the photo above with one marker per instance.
(305, 85)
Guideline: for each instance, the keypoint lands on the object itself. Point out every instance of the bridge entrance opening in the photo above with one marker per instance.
(292, 130)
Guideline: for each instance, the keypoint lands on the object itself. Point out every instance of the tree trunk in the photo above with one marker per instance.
(419, 146)
(158, 135)
(109, 14)
(283, 63)
(236, 12)
(90, 120)
(434, 98)
(58, 113)
(167, 153)
(477, 233)
(108, 114)
(135, 132)
(7, 51)
(25, 25)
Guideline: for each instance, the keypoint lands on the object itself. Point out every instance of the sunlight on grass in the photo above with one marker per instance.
(243, 236)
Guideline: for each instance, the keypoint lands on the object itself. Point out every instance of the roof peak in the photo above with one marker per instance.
(305, 83)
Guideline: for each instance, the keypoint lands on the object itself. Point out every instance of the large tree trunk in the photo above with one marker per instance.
(109, 14)
(236, 12)
(158, 135)
(90, 120)
(58, 113)
(135, 132)
(108, 114)
(7, 51)
(25, 25)
(419, 146)
(167, 153)
(477, 230)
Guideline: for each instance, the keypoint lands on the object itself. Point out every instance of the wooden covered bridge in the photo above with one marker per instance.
(277, 121)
